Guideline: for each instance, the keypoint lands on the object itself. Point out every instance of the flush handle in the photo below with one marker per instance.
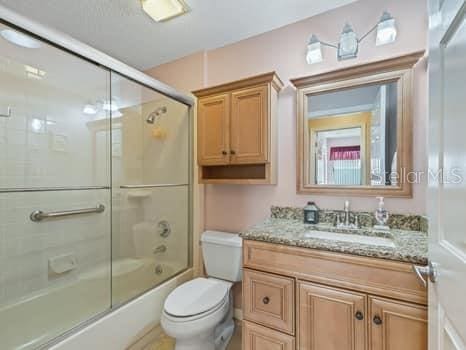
(266, 300)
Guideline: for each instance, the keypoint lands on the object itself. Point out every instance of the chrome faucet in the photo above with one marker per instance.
(346, 223)
(160, 249)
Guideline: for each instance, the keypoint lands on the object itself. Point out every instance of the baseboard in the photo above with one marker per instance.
(238, 314)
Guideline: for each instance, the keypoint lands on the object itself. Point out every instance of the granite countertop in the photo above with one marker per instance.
(409, 246)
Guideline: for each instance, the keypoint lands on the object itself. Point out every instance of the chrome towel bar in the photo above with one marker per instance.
(152, 186)
(39, 215)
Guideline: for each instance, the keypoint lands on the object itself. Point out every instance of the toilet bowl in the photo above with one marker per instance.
(199, 313)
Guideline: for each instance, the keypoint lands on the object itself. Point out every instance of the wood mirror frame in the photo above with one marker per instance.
(400, 70)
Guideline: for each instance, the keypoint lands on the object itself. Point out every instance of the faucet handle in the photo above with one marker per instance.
(337, 219)
(356, 221)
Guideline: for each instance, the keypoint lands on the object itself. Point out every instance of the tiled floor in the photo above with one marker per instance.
(164, 342)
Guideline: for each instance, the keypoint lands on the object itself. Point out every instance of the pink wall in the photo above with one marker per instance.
(232, 207)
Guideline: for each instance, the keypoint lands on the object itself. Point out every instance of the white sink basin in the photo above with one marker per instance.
(352, 238)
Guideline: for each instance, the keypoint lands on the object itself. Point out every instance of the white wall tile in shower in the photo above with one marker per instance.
(26, 246)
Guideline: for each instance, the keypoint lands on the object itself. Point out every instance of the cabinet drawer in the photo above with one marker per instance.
(269, 300)
(256, 337)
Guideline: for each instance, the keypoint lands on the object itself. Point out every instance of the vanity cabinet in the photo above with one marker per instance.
(236, 131)
(329, 301)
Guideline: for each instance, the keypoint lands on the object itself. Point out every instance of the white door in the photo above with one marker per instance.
(447, 195)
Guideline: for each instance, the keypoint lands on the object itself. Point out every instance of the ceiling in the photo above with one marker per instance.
(121, 29)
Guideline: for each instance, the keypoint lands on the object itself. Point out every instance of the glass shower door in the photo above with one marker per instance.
(150, 179)
(54, 158)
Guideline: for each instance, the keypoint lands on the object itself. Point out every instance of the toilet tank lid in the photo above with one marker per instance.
(222, 238)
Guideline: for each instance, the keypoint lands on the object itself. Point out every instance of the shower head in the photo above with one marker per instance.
(153, 116)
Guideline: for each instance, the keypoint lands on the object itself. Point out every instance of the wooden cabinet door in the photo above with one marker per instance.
(256, 337)
(249, 126)
(213, 130)
(330, 318)
(396, 325)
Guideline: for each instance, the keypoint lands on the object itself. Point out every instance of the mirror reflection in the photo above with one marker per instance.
(352, 136)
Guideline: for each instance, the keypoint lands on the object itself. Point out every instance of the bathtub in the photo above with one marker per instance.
(28, 323)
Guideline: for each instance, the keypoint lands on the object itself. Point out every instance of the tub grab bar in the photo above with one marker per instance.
(39, 215)
(152, 186)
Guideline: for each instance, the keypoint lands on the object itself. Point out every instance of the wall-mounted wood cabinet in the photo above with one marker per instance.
(305, 299)
(236, 131)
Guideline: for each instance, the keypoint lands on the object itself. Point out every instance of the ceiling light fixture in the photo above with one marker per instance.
(163, 10)
(20, 39)
(348, 45)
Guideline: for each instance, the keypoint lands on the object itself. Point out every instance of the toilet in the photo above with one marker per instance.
(199, 313)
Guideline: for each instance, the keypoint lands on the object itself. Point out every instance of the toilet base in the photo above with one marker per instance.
(223, 334)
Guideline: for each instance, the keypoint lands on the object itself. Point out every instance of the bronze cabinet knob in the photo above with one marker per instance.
(377, 320)
(266, 300)
(359, 315)
(224, 153)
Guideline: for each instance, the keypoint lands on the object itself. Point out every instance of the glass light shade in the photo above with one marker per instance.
(386, 32)
(20, 39)
(348, 45)
(162, 10)
(314, 51)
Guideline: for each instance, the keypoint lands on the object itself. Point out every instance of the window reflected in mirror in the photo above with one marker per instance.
(352, 136)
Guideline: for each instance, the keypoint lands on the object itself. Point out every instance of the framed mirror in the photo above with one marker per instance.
(354, 129)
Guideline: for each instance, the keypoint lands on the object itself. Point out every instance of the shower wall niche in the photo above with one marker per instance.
(95, 190)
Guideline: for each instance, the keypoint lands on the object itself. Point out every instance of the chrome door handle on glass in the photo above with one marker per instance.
(39, 215)
(424, 272)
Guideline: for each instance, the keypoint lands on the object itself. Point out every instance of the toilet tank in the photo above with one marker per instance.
(222, 252)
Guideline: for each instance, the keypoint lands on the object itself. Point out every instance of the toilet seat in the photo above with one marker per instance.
(196, 299)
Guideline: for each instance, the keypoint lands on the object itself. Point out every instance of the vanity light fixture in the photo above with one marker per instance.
(348, 44)
(20, 39)
(314, 51)
(163, 10)
(386, 30)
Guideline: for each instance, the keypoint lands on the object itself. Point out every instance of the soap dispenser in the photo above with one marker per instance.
(381, 216)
